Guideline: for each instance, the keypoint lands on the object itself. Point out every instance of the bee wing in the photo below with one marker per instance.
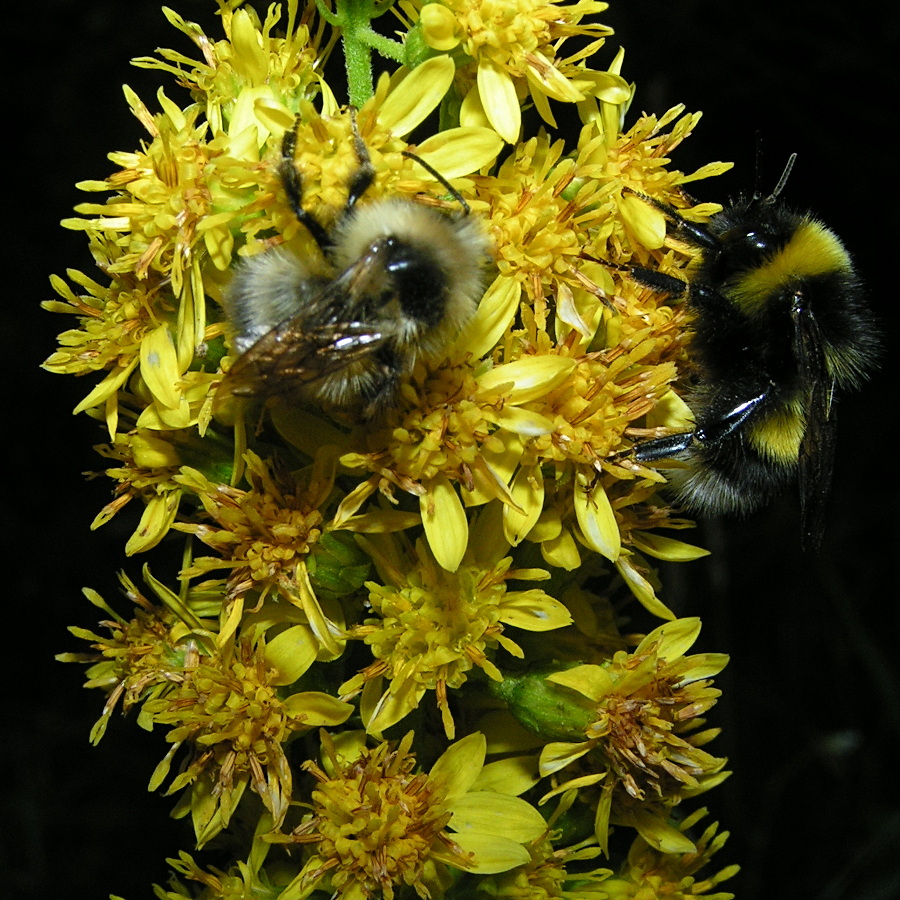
(816, 460)
(322, 338)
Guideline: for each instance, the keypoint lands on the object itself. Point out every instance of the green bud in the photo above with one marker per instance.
(337, 566)
(549, 710)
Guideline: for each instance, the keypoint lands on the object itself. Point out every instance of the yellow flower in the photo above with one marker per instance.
(649, 874)
(149, 465)
(227, 709)
(641, 739)
(265, 535)
(224, 700)
(433, 626)
(377, 826)
(515, 48)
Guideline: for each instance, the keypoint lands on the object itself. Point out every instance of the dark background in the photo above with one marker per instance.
(810, 714)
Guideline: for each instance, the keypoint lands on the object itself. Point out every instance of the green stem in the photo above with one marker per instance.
(353, 17)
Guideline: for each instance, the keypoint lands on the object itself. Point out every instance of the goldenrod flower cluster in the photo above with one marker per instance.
(392, 653)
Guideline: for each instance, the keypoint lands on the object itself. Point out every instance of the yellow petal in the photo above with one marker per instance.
(159, 367)
(511, 776)
(523, 421)
(593, 682)
(391, 707)
(458, 766)
(558, 754)
(494, 315)
(675, 638)
(596, 518)
(526, 379)
(642, 589)
(471, 113)
(492, 813)
(319, 708)
(438, 27)
(498, 96)
(667, 548)
(657, 832)
(527, 490)
(550, 81)
(291, 653)
(417, 95)
(492, 854)
(460, 151)
(534, 611)
(106, 388)
(157, 518)
(444, 520)
(562, 551)
(647, 223)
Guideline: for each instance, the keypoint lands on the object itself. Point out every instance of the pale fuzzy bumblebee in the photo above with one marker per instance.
(780, 329)
(393, 282)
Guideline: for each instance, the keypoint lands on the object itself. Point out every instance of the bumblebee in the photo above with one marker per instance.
(780, 328)
(393, 282)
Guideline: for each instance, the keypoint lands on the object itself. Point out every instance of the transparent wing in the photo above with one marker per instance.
(816, 460)
(326, 334)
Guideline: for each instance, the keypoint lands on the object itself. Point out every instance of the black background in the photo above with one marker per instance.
(811, 711)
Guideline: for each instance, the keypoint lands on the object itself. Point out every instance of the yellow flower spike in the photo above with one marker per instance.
(415, 535)
(596, 518)
(445, 523)
(417, 95)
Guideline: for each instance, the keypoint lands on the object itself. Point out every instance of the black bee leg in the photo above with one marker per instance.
(662, 284)
(293, 187)
(662, 448)
(364, 176)
(710, 431)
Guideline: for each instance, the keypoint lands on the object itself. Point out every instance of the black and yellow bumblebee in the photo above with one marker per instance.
(780, 328)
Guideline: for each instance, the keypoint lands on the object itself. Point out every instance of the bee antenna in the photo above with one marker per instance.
(783, 180)
(756, 192)
(430, 169)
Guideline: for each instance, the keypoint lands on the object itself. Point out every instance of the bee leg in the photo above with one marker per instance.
(293, 187)
(657, 281)
(710, 432)
(365, 174)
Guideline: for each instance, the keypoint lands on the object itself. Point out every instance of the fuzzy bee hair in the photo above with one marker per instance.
(780, 329)
(392, 283)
